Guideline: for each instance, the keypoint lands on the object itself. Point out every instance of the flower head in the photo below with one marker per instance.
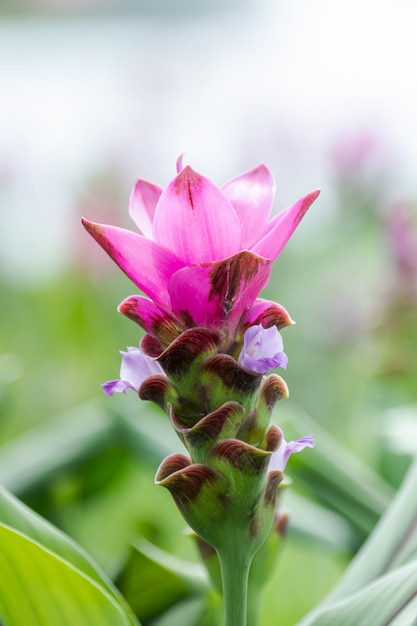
(263, 350)
(136, 367)
(202, 254)
(201, 258)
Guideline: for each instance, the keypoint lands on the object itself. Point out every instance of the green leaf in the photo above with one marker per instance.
(39, 588)
(16, 515)
(154, 580)
(374, 588)
(391, 599)
(393, 542)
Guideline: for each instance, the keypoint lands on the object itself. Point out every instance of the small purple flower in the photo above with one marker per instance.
(280, 458)
(263, 350)
(135, 368)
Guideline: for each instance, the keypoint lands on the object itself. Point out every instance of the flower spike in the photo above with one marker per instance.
(200, 258)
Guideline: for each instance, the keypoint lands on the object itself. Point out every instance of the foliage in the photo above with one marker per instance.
(87, 464)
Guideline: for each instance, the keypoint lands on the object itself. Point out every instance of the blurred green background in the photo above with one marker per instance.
(95, 95)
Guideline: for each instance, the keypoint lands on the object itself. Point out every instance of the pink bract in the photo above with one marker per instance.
(203, 253)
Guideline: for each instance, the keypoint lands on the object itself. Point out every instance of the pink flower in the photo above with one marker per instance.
(202, 254)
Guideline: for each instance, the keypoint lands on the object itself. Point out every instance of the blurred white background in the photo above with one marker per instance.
(101, 90)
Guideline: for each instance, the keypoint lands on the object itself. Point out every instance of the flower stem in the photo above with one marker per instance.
(235, 565)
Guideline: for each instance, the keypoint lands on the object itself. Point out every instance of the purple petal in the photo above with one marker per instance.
(148, 264)
(263, 350)
(142, 204)
(251, 195)
(280, 458)
(195, 220)
(282, 227)
(136, 367)
(150, 317)
(214, 293)
(117, 385)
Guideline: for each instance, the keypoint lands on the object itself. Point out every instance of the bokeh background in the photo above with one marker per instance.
(95, 94)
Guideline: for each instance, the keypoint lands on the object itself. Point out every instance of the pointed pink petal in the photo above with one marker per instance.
(148, 264)
(142, 204)
(251, 195)
(195, 220)
(218, 293)
(282, 227)
(151, 318)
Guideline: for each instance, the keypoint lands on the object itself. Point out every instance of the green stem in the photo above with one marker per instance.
(254, 604)
(235, 565)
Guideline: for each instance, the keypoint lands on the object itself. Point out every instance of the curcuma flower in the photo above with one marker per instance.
(201, 258)
(202, 254)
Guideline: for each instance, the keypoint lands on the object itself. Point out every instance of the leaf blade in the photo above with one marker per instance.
(16, 515)
(388, 600)
(41, 589)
